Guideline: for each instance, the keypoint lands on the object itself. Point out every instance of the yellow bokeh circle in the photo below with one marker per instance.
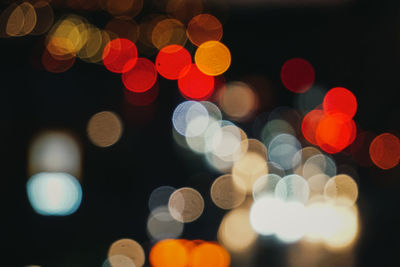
(212, 58)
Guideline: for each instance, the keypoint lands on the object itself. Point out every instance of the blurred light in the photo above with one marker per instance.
(235, 232)
(282, 150)
(203, 28)
(169, 253)
(335, 132)
(293, 222)
(340, 100)
(336, 226)
(317, 184)
(226, 141)
(292, 188)
(168, 32)
(93, 44)
(22, 20)
(209, 254)
(129, 8)
(212, 58)
(265, 186)
(385, 151)
(143, 98)
(160, 196)
(173, 62)
(227, 193)
(252, 165)
(265, 215)
(128, 248)
(184, 10)
(342, 189)
(297, 75)
(201, 142)
(54, 64)
(67, 37)
(186, 205)
(161, 225)
(274, 128)
(104, 129)
(195, 84)
(140, 77)
(118, 261)
(318, 164)
(89, 48)
(122, 27)
(54, 193)
(146, 27)
(310, 124)
(189, 111)
(238, 101)
(54, 151)
(120, 55)
(305, 153)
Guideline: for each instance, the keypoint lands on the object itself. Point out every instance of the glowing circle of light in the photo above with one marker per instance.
(161, 225)
(54, 151)
(340, 100)
(227, 193)
(104, 129)
(120, 55)
(186, 112)
(203, 28)
(235, 232)
(238, 101)
(173, 62)
(54, 193)
(265, 215)
(283, 149)
(195, 84)
(319, 164)
(385, 151)
(56, 65)
(140, 77)
(169, 253)
(186, 205)
(297, 75)
(292, 188)
(128, 248)
(167, 32)
(213, 58)
(341, 189)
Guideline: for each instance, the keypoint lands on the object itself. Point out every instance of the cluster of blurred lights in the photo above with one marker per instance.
(275, 186)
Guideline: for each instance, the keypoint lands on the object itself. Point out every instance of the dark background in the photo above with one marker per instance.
(356, 46)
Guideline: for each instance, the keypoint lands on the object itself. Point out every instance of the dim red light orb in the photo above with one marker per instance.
(120, 55)
(196, 85)
(141, 77)
(142, 99)
(340, 100)
(56, 65)
(385, 151)
(297, 75)
(173, 62)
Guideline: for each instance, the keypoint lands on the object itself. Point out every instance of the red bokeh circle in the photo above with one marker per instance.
(297, 75)
(120, 55)
(173, 62)
(141, 77)
(196, 85)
